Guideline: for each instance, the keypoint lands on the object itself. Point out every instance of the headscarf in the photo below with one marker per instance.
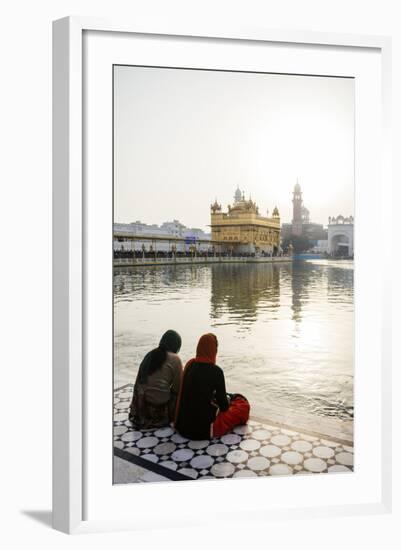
(206, 352)
(153, 361)
(170, 341)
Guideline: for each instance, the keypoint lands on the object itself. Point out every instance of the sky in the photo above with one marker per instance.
(183, 138)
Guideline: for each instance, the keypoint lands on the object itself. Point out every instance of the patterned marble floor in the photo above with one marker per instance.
(257, 449)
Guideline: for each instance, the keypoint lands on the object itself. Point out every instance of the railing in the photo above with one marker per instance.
(199, 260)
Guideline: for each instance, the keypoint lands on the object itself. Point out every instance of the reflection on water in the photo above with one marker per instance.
(285, 330)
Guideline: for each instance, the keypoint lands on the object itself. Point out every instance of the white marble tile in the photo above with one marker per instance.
(224, 469)
(182, 455)
(281, 440)
(261, 435)
(165, 448)
(147, 442)
(258, 463)
(270, 451)
(231, 439)
(217, 449)
(301, 446)
(280, 470)
(323, 452)
(315, 465)
(249, 445)
(201, 444)
(201, 462)
(237, 456)
(347, 459)
(292, 457)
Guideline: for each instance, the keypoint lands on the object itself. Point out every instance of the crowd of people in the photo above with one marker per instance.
(123, 253)
(192, 399)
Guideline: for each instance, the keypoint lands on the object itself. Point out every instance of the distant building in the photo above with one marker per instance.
(320, 247)
(301, 224)
(242, 229)
(341, 236)
(123, 233)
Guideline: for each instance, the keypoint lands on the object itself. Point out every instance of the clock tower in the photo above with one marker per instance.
(297, 210)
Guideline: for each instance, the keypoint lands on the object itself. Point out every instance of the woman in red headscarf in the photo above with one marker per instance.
(203, 408)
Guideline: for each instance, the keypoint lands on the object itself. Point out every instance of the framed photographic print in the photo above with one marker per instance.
(217, 321)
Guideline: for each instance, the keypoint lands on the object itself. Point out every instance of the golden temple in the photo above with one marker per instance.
(242, 229)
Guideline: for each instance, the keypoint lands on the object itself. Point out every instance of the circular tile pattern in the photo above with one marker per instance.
(151, 457)
(190, 472)
(315, 464)
(288, 432)
(309, 437)
(198, 444)
(119, 444)
(223, 469)
(231, 439)
(328, 443)
(245, 473)
(258, 463)
(270, 451)
(201, 462)
(164, 432)
(121, 405)
(165, 448)
(217, 449)
(323, 452)
(236, 457)
(147, 442)
(133, 450)
(177, 438)
(347, 459)
(280, 440)
(348, 449)
(280, 470)
(292, 457)
(119, 417)
(119, 430)
(131, 436)
(249, 444)
(339, 468)
(168, 464)
(182, 455)
(261, 435)
(301, 446)
(242, 430)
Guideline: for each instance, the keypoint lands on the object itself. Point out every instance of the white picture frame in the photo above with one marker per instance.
(73, 476)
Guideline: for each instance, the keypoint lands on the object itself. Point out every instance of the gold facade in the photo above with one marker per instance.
(243, 229)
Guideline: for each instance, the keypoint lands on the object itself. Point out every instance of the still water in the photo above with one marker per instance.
(285, 330)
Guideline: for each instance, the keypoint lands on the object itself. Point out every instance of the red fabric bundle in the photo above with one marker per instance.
(236, 414)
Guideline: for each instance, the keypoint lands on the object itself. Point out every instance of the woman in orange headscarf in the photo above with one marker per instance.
(203, 408)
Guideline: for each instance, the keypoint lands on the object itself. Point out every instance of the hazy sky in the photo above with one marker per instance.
(185, 137)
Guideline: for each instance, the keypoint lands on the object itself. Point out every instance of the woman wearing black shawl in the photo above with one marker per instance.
(157, 384)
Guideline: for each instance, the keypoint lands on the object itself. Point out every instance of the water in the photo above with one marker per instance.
(285, 330)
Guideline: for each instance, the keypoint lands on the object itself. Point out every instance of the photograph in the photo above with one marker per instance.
(233, 274)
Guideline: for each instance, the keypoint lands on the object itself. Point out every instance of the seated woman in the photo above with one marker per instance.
(203, 409)
(157, 384)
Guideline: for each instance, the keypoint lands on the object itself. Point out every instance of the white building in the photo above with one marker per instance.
(174, 229)
(341, 236)
(320, 247)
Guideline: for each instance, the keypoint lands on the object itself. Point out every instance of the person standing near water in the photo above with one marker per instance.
(157, 384)
(203, 410)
